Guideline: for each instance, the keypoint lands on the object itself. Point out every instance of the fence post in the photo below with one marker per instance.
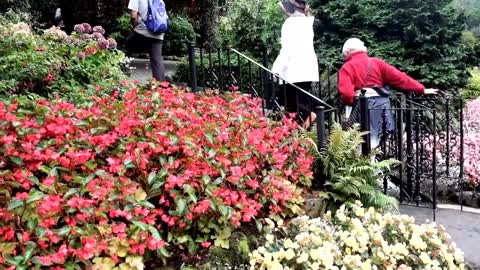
(320, 112)
(193, 67)
(365, 123)
(320, 176)
(268, 85)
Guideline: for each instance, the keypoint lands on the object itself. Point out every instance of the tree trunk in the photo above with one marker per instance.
(208, 23)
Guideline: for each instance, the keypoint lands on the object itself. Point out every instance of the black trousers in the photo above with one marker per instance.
(294, 104)
(137, 43)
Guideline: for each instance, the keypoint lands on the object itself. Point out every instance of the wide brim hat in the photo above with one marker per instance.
(292, 6)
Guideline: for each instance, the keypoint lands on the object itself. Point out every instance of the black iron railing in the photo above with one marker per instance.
(422, 132)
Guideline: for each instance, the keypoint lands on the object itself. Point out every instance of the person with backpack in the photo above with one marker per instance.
(376, 77)
(297, 62)
(149, 21)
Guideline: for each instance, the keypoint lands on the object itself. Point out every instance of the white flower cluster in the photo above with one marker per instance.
(357, 238)
(55, 33)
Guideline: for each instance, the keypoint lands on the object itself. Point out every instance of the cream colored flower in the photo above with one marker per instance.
(289, 254)
(302, 258)
(425, 258)
(417, 242)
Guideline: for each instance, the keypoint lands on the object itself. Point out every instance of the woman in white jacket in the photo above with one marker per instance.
(297, 61)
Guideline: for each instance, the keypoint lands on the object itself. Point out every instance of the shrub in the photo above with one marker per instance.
(357, 238)
(351, 176)
(157, 172)
(472, 90)
(180, 35)
(55, 63)
(250, 27)
(121, 29)
(422, 38)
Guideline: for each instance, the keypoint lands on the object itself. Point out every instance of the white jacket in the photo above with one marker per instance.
(297, 61)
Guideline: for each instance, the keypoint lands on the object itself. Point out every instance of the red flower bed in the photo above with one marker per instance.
(157, 172)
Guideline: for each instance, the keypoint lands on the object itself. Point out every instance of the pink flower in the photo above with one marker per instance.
(206, 244)
(22, 195)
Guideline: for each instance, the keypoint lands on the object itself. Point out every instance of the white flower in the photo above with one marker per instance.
(269, 238)
(302, 258)
(425, 258)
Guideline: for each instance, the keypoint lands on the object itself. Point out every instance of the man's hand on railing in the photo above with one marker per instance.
(430, 91)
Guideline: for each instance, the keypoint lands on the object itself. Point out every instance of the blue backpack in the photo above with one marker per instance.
(157, 18)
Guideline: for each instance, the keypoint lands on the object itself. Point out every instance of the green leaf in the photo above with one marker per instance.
(14, 204)
(181, 206)
(91, 165)
(87, 179)
(40, 232)
(28, 252)
(34, 180)
(35, 196)
(143, 226)
(164, 252)
(17, 160)
(155, 233)
(163, 172)
(191, 193)
(71, 191)
(32, 223)
(206, 179)
(209, 137)
(63, 231)
(183, 239)
(151, 177)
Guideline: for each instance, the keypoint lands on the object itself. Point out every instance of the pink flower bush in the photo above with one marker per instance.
(156, 173)
(471, 146)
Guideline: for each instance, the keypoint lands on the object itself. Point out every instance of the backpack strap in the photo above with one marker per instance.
(367, 73)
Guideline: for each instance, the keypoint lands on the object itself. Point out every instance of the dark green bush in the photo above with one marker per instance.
(181, 34)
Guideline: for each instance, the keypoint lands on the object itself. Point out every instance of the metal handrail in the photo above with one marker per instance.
(314, 98)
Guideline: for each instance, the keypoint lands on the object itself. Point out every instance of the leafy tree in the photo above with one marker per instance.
(471, 9)
(250, 27)
(421, 37)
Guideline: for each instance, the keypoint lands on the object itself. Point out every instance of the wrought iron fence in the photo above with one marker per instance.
(424, 133)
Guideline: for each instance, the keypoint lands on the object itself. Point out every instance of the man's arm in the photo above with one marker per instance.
(133, 6)
(346, 87)
(134, 18)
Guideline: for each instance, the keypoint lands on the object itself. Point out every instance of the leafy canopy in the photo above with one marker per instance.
(420, 37)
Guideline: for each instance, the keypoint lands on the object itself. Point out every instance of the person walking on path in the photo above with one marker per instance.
(375, 76)
(141, 39)
(297, 61)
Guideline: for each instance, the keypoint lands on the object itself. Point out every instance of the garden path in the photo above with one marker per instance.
(142, 72)
(464, 227)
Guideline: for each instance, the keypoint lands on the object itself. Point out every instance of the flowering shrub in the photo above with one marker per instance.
(472, 141)
(157, 172)
(356, 238)
(471, 147)
(53, 62)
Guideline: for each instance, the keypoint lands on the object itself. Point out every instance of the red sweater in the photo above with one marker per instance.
(354, 70)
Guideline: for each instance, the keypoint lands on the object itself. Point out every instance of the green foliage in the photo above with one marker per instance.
(181, 33)
(351, 176)
(52, 63)
(472, 10)
(18, 6)
(121, 29)
(421, 37)
(250, 27)
(472, 90)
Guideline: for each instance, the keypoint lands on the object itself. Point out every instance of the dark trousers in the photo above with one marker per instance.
(137, 43)
(302, 105)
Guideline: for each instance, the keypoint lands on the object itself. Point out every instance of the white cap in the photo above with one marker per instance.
(353, 45)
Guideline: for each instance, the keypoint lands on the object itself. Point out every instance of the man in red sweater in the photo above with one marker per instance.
(370, 73)
(353, 74)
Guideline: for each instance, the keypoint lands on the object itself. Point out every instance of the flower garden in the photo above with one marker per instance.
(100, 172)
